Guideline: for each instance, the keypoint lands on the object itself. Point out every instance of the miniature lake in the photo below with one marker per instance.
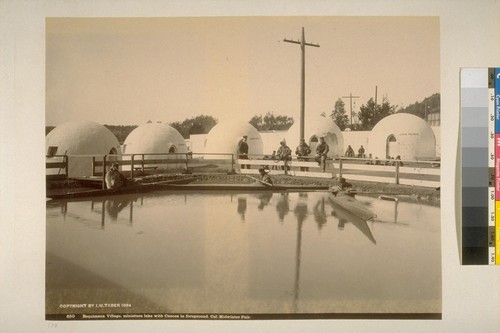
(245, 253)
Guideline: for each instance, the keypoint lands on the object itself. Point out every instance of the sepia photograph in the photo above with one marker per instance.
(243, 168)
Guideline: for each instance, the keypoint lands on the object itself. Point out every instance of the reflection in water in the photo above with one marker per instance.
(301, 215)
(283, 206)
(247, 264)
(396, 211)
(115, 206)
(264, 199)
(242, 207)
(319, 213)
(345, 217)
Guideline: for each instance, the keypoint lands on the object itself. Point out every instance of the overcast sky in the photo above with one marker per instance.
(128, 71)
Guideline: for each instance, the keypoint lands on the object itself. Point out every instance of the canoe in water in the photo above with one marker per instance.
(349, 203)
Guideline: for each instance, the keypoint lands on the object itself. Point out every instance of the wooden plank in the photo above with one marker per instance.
(420, 171)
(389, 180)
(293, 163)
(259, 162)
(327, 175)
(55, 165)
(55, 177)
(368, 167)
(419, 182)
(256, 172)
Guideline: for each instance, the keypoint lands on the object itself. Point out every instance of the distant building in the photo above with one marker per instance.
(434, 118)
(81, 140)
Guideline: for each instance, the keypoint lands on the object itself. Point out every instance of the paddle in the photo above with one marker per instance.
(260, 180)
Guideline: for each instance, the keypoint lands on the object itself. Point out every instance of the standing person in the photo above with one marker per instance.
(302, 150)
(284, 154)
(349, 152)
(274, 157)
(322, 152)
(243, 151)
(114, 179)
(361, 151)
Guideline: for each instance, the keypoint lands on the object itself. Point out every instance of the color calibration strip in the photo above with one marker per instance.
(480, 125)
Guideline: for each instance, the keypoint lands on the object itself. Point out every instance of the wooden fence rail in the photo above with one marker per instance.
(410, 172)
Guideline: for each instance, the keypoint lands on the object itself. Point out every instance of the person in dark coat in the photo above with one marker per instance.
(322, 153)
(264, 174)
(349, 152)
(243, 151)
(302, 151)
(361, 151)
(284, 154)
(114, 179)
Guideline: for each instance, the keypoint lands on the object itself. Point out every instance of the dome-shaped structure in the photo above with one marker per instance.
(81, 138)
(317, 126)
(402, 134)
(154, 138)
(224, 138)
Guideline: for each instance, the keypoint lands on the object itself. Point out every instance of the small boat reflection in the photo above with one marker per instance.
(345, 216)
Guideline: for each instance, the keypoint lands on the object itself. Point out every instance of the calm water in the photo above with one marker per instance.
(242, 253)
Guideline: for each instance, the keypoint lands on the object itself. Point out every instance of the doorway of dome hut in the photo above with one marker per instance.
(313, 142)
(391, 147)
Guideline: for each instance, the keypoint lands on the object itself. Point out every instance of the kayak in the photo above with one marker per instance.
(347, 202)
(134, 188)
(181, 185)
(346, 216)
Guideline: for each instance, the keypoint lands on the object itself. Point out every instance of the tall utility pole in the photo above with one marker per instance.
(350, 97)
(303, 45)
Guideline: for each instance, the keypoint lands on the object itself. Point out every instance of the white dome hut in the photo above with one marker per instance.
(155, 138)
(402, 134)
(79, 138)
(317, 126)
(224, 138)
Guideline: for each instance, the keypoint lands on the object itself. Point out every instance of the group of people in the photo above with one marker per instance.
(303, 151)
(284, 153)
(350, 152)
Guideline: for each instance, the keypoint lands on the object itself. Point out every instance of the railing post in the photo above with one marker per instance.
(187, 163)
(397, 173)
(93, 166)
(66, 158)
(142, 163)
(232, 164)
(104, 172)
(340, 167)
(132, 167)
